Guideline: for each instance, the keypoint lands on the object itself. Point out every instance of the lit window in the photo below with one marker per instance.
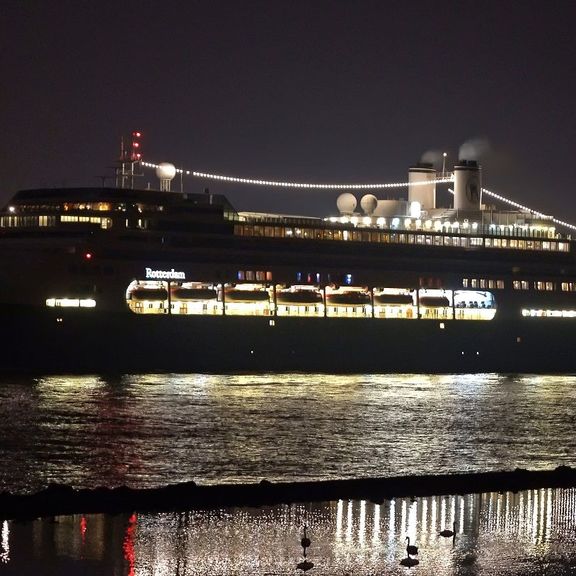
(71, 302)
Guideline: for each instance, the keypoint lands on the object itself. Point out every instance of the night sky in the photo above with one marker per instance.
(302, 90)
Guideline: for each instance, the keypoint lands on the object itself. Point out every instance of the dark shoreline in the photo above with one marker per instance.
(60, 499)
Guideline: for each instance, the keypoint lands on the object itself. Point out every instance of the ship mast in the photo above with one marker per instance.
(130, 162)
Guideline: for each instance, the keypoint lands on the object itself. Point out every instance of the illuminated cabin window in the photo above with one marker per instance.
(102, 222)
(93, 206)
(251, 275)
(71, 303)
(395, 303)
(27, 221)
(568, 286)
(520, 285)
(541, 313)
(402, 232)
(490, 283)
(299, 300)
(544, 286)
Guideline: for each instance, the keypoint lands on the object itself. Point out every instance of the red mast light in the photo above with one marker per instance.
(135, 154)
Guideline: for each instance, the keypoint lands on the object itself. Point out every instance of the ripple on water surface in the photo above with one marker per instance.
(150, 430)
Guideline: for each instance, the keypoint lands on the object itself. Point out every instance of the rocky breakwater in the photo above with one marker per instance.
(58, 499)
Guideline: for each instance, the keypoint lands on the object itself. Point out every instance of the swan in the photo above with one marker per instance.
(411, 550)
(449, 533)
(305, 540)
(305, 565)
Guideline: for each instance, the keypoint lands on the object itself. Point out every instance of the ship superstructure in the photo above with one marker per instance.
(127, 279)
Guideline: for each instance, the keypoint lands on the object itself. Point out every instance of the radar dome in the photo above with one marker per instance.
(368, 202)
(166, 171)
(346, 203)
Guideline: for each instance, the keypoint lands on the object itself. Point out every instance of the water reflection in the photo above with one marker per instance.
(531, 532)
(157, 429)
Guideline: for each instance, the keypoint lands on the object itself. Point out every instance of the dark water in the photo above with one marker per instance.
(152, 430)
(529, 533)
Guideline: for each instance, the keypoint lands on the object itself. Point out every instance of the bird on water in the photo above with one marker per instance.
(449, 533)
(411, 550)
(409, 562)
(305, 565)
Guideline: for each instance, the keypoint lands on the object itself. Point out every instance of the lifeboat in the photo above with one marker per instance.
(235, 295)
(155, 294)
(299, 296)
(393, 299)
(191, 294)
(348, 298)
(435, 302)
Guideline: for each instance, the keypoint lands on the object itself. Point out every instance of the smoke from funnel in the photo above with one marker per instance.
(432, 157)
(473, 149)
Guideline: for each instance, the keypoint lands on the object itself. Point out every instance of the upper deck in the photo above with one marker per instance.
(76, 209)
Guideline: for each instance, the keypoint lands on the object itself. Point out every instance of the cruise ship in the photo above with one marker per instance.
(120, 279)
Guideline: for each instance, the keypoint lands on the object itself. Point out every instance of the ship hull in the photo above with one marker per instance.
(82, 342)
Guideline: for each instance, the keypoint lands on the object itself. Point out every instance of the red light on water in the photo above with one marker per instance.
(83, 528)
(128, 544)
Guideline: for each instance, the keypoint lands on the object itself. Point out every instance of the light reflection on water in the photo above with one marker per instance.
(529, 533)
(152, 430)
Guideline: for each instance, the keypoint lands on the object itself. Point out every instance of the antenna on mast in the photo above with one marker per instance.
(130, 161)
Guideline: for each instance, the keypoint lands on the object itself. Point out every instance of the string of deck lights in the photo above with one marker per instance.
(525, 208)
(298, 184)
(305, 185)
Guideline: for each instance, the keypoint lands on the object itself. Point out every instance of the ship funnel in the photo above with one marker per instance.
(422, 185)
(165, 172)
(467, 185)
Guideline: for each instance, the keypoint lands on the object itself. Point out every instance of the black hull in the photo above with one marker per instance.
(82, 342)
